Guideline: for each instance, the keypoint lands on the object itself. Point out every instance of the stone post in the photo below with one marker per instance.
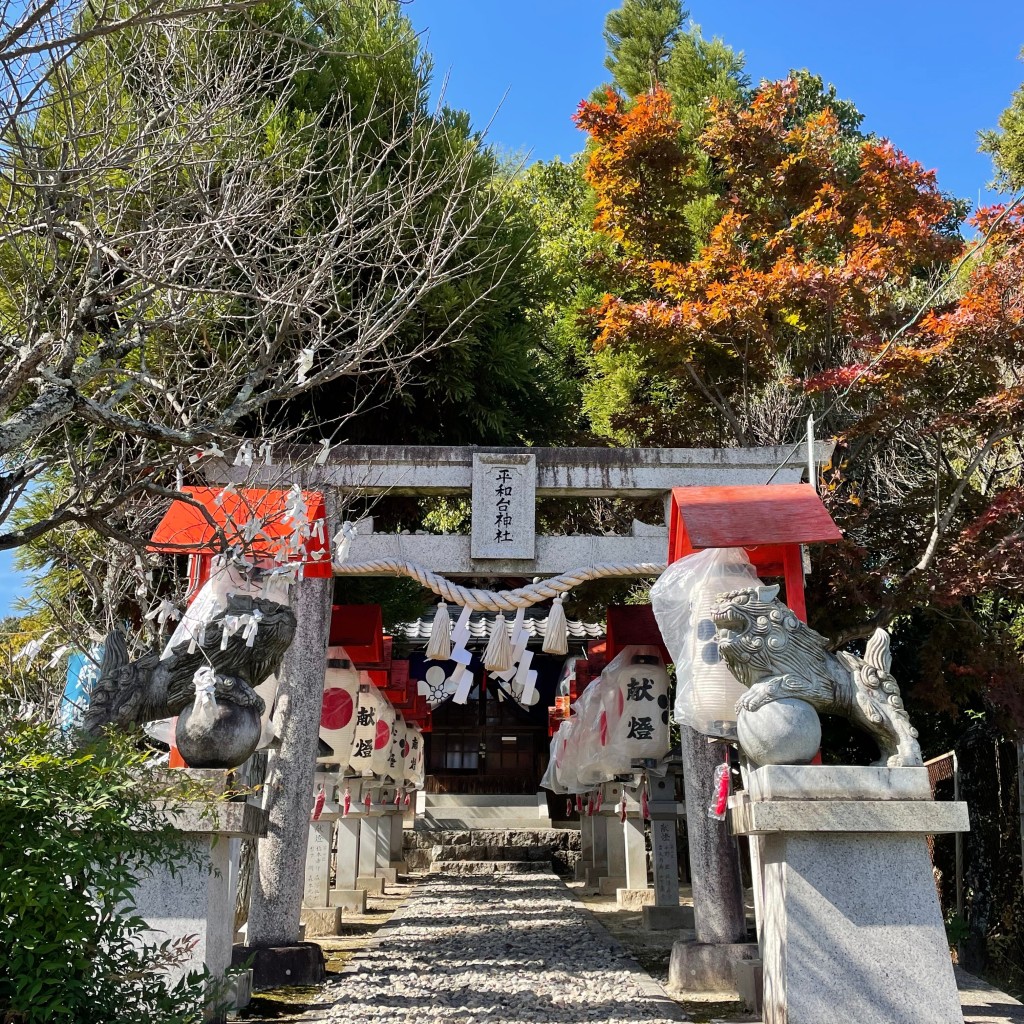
(599, 850)
(636, 848)
(318, 864)
(706, 965)
(277, 886)
(382, 866)
(397, 840)
(586, 847)
(666, 914)
(369, 824)
(615, 844)
(346, 894)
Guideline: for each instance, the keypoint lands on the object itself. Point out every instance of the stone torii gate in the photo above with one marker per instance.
(503, 542)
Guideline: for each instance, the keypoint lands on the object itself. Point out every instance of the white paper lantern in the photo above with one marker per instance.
(641, 685)
(338, 711)
(380, 763)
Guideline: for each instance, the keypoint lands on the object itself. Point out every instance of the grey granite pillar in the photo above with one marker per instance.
(708, 964)
(277, 887)
(714, 855)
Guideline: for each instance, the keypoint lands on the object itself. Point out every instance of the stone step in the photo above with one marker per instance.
(562, 839)
(541, 849)
(491, 867)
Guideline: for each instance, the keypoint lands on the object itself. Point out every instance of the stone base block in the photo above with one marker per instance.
(749, 977)
(863, 901)
(353, 900)
(633, 899)
(321, 920)
(370, 884)
(280, 966)
(390, 875)
(667, 919)
(707, 966)
(400, 867)
(593, 876)
(580, 873)
(608, 885)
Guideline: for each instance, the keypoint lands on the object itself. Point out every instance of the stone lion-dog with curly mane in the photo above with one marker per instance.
(775, 655)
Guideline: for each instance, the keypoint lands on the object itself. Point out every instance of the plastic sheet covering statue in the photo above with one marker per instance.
(706, 690)
(232, 639)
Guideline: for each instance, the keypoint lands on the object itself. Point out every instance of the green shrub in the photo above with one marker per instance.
(77, 825)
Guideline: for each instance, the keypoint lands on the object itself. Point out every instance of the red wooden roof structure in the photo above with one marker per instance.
(191, 527)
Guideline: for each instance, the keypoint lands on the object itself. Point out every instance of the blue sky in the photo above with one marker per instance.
(10, 582)
(927, 75)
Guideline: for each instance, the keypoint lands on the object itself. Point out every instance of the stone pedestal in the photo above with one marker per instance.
(325, 920)
(633, 899)
(668, 919)
(198, 901)
(353, 900)
(852, 918)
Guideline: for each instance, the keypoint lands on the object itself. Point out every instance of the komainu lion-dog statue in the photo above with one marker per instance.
(775, 655)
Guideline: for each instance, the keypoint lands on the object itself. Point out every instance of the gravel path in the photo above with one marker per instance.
(495, 949)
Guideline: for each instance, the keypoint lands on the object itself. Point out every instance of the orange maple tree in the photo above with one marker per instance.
(806, 295)
(818, 232)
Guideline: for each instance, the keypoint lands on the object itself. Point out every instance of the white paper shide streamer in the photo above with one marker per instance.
(204, 707)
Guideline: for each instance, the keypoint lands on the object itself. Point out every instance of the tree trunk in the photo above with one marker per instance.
(277, 885)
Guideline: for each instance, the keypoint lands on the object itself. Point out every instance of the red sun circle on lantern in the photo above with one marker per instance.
(383, 737)
(405, 748)
(337, 708)
(603, 726)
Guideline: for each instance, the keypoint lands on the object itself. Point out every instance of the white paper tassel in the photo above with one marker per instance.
(439, 648)
(556, 636)
(498, 656)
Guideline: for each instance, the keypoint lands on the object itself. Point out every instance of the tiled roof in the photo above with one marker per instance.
(481, 624)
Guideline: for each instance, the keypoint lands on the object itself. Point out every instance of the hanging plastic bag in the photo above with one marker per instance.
(720, 793)
(706, 691)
